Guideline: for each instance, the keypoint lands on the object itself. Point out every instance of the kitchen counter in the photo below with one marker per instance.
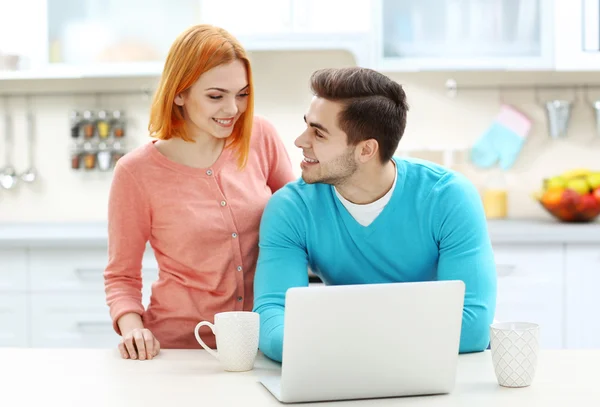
(95, 234)
(99, 377)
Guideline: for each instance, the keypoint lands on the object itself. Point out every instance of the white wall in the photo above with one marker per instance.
(282, 95)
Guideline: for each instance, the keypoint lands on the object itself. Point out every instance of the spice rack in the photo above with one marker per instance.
(98, 139)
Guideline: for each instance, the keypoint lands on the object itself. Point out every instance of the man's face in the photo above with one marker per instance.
(328, 158)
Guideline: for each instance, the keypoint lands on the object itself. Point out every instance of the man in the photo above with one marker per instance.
(361, 216)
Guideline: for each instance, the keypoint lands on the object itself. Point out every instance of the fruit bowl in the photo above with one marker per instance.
(573, 196)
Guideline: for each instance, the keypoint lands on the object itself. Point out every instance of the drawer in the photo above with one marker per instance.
(71, 321)
(583, 301)
(13, 270)
(530, 288)
(77, 270)
(14, 320)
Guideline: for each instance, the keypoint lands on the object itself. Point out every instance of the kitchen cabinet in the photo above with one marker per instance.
(296, 24)
(14, 305)
(14, 320)
(52, 287)
(288, 16)
(582, 299)
(54, 297)
(101, 38)
(530, 288)
(111, 38)
(464, 34)
(577, 35)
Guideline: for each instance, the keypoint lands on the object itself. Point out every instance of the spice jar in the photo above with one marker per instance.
(75, 120)
(87, 124)
(102, 124)
(104, 157)
(89, 156)
(75, 157)
(118, 124)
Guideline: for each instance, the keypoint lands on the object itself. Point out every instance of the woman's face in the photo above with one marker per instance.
(215, 101)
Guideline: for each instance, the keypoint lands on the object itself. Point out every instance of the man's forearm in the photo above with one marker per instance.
(271, 331)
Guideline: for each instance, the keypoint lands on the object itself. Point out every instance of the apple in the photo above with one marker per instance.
(596, 194)
(570, 199)
(588, 204)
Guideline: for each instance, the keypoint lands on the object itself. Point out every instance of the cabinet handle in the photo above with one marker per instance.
(505, 270)
(89, 274)
(93, 274)
(94, 325)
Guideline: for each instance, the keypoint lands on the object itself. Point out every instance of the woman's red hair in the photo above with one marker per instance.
(195, 51)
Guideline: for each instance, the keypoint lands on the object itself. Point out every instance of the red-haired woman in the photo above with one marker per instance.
(196, 193)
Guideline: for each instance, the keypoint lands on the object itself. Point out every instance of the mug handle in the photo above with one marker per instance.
(201, 342)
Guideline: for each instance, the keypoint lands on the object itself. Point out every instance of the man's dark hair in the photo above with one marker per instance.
(375, 106)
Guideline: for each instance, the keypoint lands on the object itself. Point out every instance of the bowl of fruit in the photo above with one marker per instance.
(573, 196)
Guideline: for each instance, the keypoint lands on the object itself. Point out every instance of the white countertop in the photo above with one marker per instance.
(85, 377)
(95, 234)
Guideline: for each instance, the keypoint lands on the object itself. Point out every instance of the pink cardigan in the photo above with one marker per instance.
(203, 226)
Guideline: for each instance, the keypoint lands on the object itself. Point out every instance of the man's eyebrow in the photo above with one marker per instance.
(226, 91)
(316, 125)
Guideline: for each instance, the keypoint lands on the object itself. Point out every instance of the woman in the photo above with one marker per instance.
(196, 193)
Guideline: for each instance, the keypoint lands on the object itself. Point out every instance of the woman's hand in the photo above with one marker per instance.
(137, 342)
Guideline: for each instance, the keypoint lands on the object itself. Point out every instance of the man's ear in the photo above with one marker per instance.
(367, 150)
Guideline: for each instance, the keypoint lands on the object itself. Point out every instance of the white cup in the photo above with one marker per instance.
(515, 348)
(237, 339)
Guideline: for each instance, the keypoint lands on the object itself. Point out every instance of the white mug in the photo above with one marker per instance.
(515, 348)
(236, 335)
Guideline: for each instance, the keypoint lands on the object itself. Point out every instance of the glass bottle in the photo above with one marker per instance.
(495, 196)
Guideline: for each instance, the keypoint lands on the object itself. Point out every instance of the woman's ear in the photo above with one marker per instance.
(179, 99)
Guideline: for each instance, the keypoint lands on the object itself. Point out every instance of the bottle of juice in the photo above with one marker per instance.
(495, 196)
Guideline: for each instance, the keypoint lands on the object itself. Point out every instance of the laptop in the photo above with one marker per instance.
(369, 341)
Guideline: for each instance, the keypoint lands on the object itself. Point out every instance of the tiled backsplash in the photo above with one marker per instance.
(282, 95)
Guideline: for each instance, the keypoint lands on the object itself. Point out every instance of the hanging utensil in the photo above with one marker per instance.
(30, 174)
(8, 175)
(558, 113)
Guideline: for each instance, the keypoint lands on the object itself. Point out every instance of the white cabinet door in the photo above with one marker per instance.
(267, 25)
(457, 34)
(284, 17)
(577, 35)
(71, 321)
(78, 270)
(583, 301)
(13, 270)
(22, 32)
(242, 18)
(14, 320)
(530, 288)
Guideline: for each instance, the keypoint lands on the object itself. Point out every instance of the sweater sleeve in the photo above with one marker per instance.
(465, 253)
(128, 232)
(279, 163)
(282, 264)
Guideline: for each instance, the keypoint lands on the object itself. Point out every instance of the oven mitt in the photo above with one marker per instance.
(502, 141)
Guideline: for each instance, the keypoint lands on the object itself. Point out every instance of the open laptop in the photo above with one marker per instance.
(369, 341)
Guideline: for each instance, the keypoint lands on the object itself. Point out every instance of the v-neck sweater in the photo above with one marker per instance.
(433, 228)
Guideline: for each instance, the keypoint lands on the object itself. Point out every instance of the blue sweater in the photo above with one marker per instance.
(433, 228)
